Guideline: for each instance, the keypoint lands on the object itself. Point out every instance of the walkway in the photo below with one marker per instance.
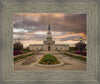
(69, 63)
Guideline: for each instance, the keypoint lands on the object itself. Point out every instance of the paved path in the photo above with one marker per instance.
(69, 63)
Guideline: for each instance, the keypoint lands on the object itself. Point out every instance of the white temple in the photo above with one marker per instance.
(49, 44)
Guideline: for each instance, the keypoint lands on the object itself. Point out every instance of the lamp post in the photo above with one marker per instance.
(19, 40)
(81, 40)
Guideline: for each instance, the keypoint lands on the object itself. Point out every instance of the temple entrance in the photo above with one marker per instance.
(48, 48)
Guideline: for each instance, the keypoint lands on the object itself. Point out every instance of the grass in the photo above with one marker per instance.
(21, 57)
(76, 57)
(72, 51)
(49, 59)
(25, 50)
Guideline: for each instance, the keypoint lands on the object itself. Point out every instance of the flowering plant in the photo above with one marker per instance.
(49, 59)
(17, 52)
(82, 53)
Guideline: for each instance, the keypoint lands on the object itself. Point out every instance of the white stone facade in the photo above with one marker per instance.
(49, 44)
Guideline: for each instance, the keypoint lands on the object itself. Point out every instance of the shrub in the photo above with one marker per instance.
(77, 52)
(17, 52)
(82, 52)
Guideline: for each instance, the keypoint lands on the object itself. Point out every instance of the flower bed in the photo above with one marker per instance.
(17, 52)
(76, 57)
(21, 57)
(49, 59)
(82, 53)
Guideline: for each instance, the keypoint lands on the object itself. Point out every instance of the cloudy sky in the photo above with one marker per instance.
(32, 28)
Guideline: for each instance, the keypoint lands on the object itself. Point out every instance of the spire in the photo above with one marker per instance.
(49, 25)
(49, 32)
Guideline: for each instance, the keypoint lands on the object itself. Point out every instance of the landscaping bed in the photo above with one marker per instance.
(21, 57)
(26, 50)
(76, 57)
(19, 52)
(49, 60)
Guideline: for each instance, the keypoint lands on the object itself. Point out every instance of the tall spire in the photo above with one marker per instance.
(49, 25)
(49, 32)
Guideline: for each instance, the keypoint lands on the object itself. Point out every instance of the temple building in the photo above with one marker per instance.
(49, 44)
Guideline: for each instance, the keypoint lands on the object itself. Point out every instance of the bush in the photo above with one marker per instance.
(77, 52)
(17, 52)
(82, 52)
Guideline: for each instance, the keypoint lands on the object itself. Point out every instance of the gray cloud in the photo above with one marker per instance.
(74, 38)
(67, 23)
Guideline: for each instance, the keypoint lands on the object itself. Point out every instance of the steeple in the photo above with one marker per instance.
(49, 25)
(49, 37)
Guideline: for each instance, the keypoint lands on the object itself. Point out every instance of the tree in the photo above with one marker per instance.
(18, 46)
(80, 46)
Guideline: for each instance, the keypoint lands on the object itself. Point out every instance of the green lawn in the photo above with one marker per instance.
(76, 57)
(72, 51)
(21, 57)
(25, 50)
